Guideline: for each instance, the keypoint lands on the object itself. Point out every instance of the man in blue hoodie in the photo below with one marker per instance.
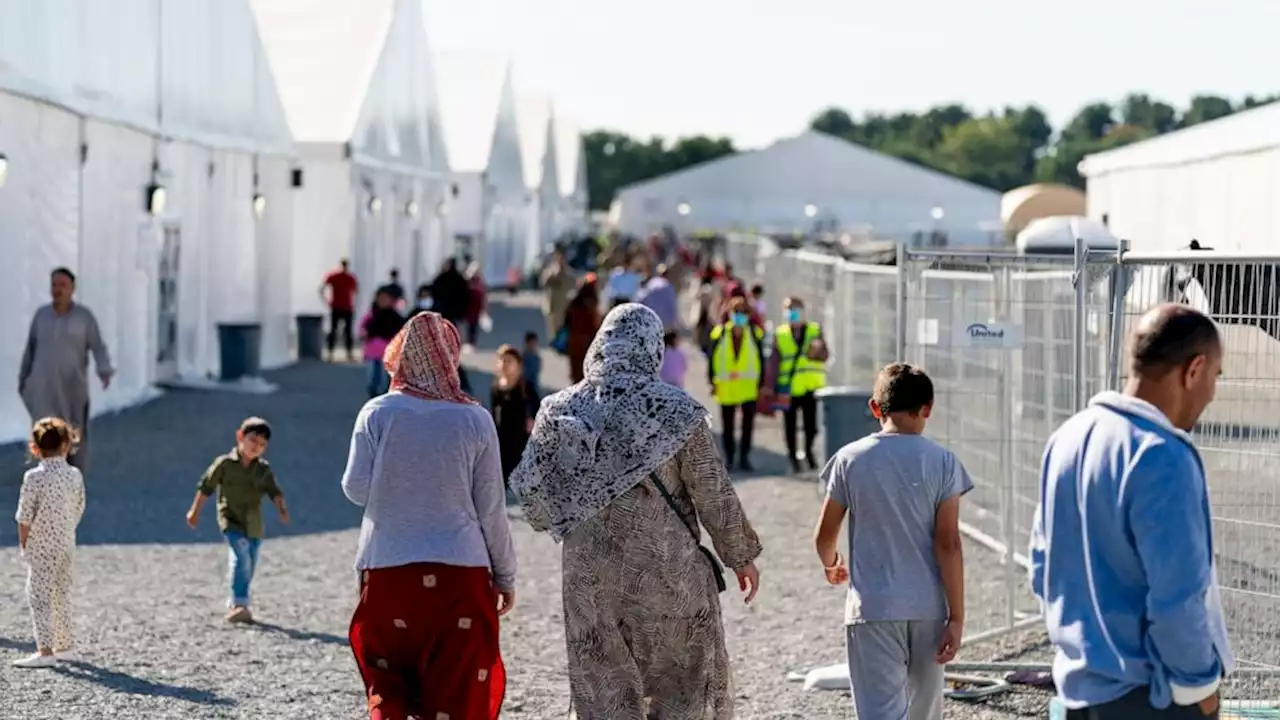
(1122, 547)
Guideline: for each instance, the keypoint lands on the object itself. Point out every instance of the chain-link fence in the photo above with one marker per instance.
(1015, 345)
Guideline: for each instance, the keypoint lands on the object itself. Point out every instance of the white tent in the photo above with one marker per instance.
(93, 114)
(1216, 182)
(807, 182)
(355, 79)
(571, 162)
(1056, 235)
(536, 120)
(478, 109)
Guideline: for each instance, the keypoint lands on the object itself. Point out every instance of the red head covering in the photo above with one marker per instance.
(423, 359)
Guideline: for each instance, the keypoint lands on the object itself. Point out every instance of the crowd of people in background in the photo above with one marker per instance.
(623, 470)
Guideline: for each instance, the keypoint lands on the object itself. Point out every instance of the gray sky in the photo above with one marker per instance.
(757, 70)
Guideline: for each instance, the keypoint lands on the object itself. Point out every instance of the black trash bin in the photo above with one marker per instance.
(240, 350)
(310, 337)
(845, 417)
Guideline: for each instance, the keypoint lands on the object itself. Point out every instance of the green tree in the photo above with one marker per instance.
(833, 121)
(615, 160)
(1140, 110)
(988, 151)
(1205, 108)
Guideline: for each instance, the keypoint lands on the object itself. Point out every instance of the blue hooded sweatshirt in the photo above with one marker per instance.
(1122, 559)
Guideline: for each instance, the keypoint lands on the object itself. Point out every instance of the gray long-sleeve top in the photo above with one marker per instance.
(429, 478)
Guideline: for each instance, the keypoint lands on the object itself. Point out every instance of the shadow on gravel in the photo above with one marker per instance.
(25, 646)
(301, 635)
(121, 682)
(148, 460)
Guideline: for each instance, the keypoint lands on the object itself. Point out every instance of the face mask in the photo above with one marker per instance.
(795, 316)
(740, 319)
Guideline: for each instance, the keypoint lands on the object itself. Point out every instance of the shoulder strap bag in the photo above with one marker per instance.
(716, 568)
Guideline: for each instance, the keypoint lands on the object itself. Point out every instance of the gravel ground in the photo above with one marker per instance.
(149, 592)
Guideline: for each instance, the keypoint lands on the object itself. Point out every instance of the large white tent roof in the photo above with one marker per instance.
(471, 86)
(356, 72)
(1244, 132)
(848, 184)
(534, 116)
(195, 71)
(324, 53)
(569, 156)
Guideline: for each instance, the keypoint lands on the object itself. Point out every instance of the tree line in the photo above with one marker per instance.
(1001, 150)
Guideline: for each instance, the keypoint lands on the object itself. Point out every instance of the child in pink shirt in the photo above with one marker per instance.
(674, 363)
(377, 328)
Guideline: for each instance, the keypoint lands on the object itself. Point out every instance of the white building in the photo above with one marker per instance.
(571, 162)
(356, 82)
(536, 120)
(1216, 182)
(812, 181)
(103, 104)
(481, 138)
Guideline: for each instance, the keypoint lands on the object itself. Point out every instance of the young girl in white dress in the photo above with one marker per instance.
(49, 509)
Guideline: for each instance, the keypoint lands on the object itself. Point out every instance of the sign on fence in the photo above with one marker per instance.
(1002, 336)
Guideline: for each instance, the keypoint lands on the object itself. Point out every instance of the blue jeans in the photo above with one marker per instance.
(377, 381)
(242, 560)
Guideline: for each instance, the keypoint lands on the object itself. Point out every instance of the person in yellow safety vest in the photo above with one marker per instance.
(737, 376)
(797, 370)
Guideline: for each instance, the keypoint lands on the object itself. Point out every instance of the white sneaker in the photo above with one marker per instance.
(36, 661)
(65, 655)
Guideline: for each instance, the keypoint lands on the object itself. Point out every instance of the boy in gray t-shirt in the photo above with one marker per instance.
(905, 609)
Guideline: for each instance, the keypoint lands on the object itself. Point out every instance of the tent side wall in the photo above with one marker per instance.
(1226, 202)
(39, 227)
(324, 220)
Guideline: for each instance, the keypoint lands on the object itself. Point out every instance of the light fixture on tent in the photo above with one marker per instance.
(4, 168)
(259, 205)
(937, 213)
(411, 208)
(684, 208)
(375, 204)
(155, 199)
(810, 210)
(442, 208)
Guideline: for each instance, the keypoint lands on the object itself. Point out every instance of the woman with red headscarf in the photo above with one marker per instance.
(436, 560)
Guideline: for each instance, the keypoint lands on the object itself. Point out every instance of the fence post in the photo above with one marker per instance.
(1119, 289)
(901, 303)
(1079, 357)
(1008, 487)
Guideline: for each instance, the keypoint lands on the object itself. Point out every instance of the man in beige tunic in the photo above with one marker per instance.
(558, 283)
(54, 377)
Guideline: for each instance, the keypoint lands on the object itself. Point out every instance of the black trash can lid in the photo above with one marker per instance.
(240, 326)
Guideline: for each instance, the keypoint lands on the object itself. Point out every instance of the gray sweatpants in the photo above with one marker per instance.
(892, 670)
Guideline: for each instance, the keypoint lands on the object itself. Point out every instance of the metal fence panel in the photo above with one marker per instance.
(996, 408)
(1239, 433)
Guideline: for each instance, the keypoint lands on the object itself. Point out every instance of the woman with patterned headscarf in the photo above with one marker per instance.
(622, 468)
(436, 560)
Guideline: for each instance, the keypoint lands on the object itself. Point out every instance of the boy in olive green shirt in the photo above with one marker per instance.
(241, 478)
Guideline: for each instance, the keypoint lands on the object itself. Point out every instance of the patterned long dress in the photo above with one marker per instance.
(642, 616)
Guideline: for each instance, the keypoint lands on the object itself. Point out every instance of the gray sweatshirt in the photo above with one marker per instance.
(429, 478)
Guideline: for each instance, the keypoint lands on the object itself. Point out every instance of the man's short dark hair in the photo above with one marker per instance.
(530, 336)
(903, 388)
(64, 272)
(256, 426)
(1170, 336)
(795, 301)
